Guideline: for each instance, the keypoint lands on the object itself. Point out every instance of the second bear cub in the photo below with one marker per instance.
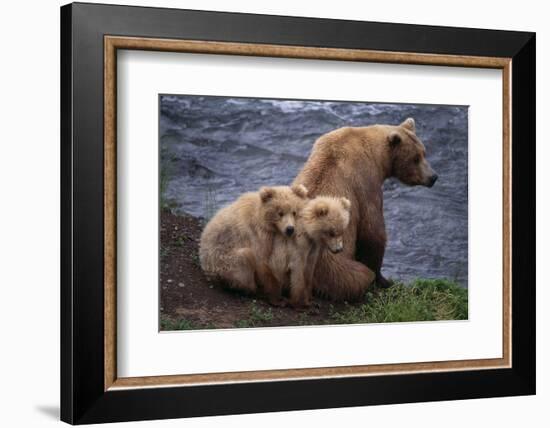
(320, 225)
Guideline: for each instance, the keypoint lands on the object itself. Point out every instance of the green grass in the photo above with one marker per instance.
(259, 314)
(196, 259)
(257, 317)
(166, 174)
(181, 324)
(164, 178)
(180, 240)
(423, 300)
(164, 252)
(210, 202)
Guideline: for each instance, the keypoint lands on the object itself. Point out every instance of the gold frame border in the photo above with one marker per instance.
(112, 43)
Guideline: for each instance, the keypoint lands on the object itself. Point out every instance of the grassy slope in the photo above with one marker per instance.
(422, 300)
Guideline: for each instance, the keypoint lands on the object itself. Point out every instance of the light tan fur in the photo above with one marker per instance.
(236, 244)
(353, 163)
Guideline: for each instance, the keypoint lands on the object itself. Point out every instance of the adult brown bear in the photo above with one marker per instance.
(354, 162)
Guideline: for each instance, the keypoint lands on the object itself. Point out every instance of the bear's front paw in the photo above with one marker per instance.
(382, 282)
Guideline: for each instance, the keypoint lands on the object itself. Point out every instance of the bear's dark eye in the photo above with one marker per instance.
(294, 213)
(417, 159)
(281, 213)
(332, 234)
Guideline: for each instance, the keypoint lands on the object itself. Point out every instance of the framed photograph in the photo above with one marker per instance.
(266, 213)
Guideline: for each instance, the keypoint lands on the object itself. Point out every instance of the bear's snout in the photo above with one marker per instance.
(432, 180)
(335, 249)
(289, 230)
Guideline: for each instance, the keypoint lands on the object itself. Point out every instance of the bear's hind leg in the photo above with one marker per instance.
(247, 273)
(241, 274)
(340, 278)
(271, 287)
(371, 254)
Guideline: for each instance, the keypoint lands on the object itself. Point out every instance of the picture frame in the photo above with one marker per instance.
(91, 391)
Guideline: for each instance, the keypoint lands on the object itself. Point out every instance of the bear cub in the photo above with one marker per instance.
(321, 226)
(236, 244)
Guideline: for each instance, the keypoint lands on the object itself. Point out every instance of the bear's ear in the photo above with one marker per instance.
(346, 203)
(266, 193)
(394, 138)
(321, 209)
(409, 124)
(300, 190)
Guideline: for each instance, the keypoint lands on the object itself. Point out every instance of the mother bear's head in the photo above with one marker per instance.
(408, 156)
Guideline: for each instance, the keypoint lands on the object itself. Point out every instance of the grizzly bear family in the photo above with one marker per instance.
(325, 233)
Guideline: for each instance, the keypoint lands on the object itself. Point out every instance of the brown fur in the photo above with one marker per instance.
(353, 163)
(237, 242)
(321, 224)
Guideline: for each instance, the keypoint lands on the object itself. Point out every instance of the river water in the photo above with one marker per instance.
(215, 148)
